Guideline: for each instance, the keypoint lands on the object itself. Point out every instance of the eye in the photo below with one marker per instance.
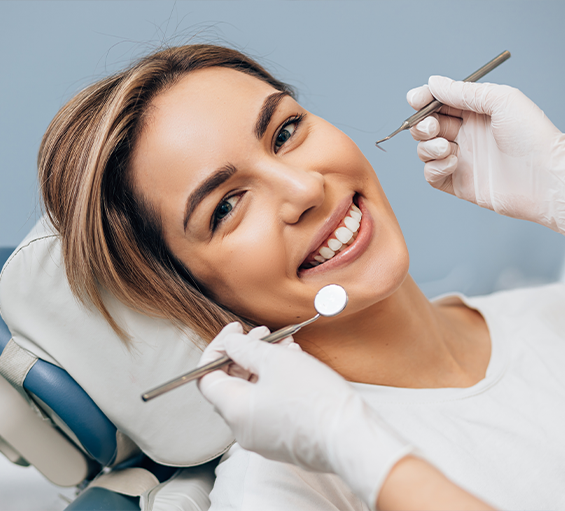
(223, 209)
(287, 130)
(284, 135)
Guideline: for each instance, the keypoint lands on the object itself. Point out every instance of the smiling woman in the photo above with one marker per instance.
(262, 177)
(194, 187)
(196, 158)
(111, 236)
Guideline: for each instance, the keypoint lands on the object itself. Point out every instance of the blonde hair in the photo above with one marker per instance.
(110, 237)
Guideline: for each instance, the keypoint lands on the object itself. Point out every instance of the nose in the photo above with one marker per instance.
(298, 190)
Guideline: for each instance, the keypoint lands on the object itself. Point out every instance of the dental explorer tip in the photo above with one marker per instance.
(381, 148)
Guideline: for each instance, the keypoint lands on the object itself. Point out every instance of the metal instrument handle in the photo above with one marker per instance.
(279, 335)
(435, 105)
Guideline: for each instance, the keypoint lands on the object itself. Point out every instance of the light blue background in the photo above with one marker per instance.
(352, 63)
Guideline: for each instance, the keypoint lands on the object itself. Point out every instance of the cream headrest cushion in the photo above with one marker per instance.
(179, 428)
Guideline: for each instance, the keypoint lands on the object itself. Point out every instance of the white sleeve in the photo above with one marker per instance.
(248, 482)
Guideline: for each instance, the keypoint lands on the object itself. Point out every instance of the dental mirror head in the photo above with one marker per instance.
(330, 300)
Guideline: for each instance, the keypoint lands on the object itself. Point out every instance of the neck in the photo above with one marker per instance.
(403, 341)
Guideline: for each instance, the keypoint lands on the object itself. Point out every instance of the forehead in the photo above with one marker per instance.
(204, 120)
(208, 97)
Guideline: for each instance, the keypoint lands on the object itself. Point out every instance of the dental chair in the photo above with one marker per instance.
(36, 428)
(61, 415)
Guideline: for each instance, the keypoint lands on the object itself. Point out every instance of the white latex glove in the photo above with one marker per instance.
(493, 146)
(297, 410)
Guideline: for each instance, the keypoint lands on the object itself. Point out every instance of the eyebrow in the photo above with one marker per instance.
(224, 173)
(266, 113)
(219, 177)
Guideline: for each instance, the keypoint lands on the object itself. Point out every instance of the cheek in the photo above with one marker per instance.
(334, 149)
(241, 269)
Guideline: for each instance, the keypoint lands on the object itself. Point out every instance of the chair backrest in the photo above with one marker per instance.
(66, 402)
(69, 406)
(78, 439)
(27, 438)
(102, 376)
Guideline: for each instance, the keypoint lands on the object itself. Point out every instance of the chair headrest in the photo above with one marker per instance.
(179, 428)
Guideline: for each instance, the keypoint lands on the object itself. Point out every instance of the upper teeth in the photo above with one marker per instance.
(341, 237)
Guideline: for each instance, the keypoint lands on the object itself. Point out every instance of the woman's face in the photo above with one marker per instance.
(249, 186)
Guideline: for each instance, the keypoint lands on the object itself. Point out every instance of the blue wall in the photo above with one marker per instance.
(352, 63)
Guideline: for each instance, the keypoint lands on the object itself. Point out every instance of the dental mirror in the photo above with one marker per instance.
(329, 301)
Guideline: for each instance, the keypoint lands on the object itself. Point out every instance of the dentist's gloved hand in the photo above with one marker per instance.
(493, 146)
(288, 406)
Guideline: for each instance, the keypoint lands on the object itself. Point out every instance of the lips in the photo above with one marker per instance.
(339, 239)
(352, 251)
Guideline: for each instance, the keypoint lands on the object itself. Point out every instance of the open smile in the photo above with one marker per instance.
(341, 245)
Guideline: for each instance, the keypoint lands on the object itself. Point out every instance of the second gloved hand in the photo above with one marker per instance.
(493, 146)
(288, 406)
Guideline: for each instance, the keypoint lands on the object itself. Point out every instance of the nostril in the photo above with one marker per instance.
(304, 213)
(301, 190)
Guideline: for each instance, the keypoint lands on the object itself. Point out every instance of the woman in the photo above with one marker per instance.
(296, 410)
(194, 187)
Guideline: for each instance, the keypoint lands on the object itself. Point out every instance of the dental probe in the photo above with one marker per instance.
(435, 105)
(329, 301)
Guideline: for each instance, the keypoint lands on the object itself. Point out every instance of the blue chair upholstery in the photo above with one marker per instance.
(100, 499)
(68, 400)
(97, 435)
(95, 432)
(5, 334)
(5, 252)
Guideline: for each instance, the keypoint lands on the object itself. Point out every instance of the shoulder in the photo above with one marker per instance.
(537, 312)
(246, 481)
(548, 301)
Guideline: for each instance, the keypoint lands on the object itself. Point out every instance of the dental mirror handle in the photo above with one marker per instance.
(435, 105)
(279, 335)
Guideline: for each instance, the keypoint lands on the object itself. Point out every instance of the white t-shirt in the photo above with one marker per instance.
(502, 439)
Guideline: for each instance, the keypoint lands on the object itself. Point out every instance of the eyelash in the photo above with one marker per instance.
(296, 119)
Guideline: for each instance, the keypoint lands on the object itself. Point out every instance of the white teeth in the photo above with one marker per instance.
(343, 237)
(335, 245)
(351, 224)
(355, 215)
(343, 234)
